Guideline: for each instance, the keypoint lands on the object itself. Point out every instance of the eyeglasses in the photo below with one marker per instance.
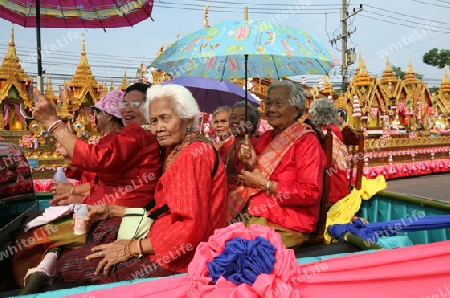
(277, 103)
(131, 104)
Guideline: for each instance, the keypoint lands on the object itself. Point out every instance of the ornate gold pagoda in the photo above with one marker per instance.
(363, 88)
(83, 88)
(389, 86)
(413, 100)
(442, 97)
(159, 76)
(13, 89)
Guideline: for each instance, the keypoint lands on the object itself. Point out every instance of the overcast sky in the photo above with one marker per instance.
(400, 28)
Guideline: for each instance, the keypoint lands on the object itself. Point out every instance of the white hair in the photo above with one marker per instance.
(184, 104)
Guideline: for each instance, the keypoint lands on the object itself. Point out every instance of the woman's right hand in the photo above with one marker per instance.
(66, 199)
(247, 155)
(61, 188)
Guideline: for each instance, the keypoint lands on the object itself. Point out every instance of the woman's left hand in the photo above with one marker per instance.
(253, 179)
(111, 254)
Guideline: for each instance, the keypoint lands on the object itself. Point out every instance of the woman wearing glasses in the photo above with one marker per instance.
(127, 162)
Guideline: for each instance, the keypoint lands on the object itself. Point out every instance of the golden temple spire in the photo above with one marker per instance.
(12, 45)
(124, 84)
(83, 86)
(246, 13)
(388, 74)
(362, 64)
(83, 59)
(11, 42)
(445, 85)
(410, 76)
(49, 92)
(362, 77)
(388, 63)
(83, 77)
(205, 17)
(11, 69)
(410, 67)
(111, 87)
(104, 89)
(327, 86)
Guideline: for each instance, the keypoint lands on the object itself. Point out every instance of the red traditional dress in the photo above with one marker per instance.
(196, 199)
(127, 167)
(339, 181)
(295, 160)
(82, 176)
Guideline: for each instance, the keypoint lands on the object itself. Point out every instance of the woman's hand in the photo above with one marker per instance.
(61, 188)
(253, 179)
(111, 254)
(247, 155)
(44, 111)
(66, 199)
(97, 213)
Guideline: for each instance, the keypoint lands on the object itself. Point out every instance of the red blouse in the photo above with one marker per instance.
(300, 182)
(128, 166)
(197, 205)
(339, 181)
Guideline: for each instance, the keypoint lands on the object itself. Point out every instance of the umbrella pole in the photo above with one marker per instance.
(246, 96)
(39, 80)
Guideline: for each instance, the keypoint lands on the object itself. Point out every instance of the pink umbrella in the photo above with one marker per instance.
(73, 14)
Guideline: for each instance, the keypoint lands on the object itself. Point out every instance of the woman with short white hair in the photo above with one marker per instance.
(190, 200)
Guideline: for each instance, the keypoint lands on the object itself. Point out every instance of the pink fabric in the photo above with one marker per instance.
(19, 115)
(414, 271)
(45, 185)
(110, 102)
(77, 14)
(5, 114)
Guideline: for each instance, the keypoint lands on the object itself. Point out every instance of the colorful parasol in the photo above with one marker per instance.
(76, 13)
(73, 14)
(273, 51)
(242, 49)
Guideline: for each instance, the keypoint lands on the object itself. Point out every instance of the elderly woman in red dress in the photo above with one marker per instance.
(324, 114)
(190, 197)
(221, 126)
(126, 161)
(284, 174)
(230, 155)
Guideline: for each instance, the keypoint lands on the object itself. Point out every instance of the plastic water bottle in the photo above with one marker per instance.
(80, 226)
(59, 176)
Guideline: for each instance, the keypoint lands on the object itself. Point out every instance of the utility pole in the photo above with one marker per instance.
(346, 58)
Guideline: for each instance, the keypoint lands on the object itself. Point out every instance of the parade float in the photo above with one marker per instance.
(405, 125)
(73, 105)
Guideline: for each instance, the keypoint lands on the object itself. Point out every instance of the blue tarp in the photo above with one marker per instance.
(388, 228)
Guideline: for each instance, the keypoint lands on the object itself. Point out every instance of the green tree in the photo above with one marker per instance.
(434, 89)
(437, 58)
(400, 74)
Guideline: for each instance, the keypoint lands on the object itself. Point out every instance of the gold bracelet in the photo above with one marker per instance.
(127, 250)
(72, 190)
